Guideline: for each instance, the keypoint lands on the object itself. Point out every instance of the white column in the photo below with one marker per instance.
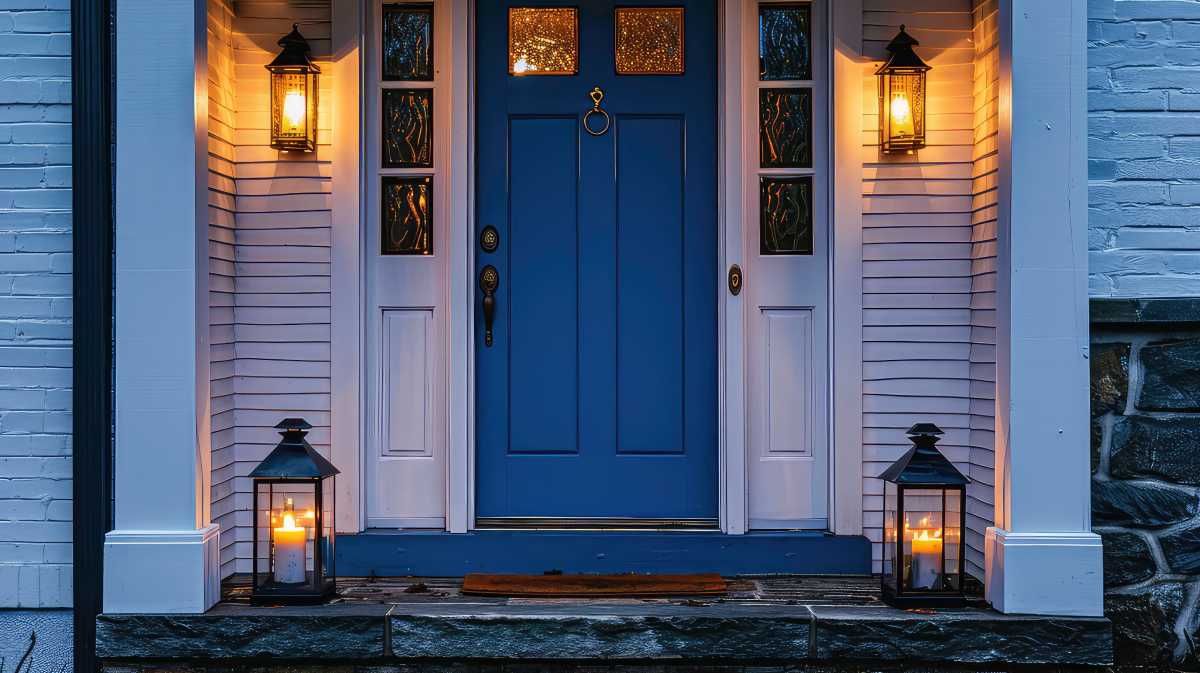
(1042, 557)
(163, 554)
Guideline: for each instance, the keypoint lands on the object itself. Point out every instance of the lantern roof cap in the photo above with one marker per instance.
(294, 457)
(901, 54)
(923, 464)
(296, 52)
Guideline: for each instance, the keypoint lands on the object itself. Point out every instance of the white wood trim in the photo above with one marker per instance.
(731, 310)
(346, 300)
(460, 491)
(846, 71)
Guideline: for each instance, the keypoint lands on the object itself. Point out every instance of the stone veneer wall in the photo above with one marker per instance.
(1145, 357)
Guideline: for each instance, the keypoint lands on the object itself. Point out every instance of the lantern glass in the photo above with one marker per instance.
(902, 109)
(293, 540)
(922, 551)
(294, 108)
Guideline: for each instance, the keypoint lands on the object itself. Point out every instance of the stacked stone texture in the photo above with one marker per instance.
(1146, 491)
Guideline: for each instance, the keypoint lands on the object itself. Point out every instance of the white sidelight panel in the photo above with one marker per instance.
(787, 284)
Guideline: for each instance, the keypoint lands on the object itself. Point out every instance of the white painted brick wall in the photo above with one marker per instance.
(35, 304)
(1144, 147)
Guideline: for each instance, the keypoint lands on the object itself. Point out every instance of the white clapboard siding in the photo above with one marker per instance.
(222, 238)
(269, 246)
(980, 495)
(917, 250)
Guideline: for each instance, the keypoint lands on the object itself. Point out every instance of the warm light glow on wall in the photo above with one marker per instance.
(294, 95)
(902, 97)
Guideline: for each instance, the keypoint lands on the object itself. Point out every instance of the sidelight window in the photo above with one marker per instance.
(405, 104)
(785, 128)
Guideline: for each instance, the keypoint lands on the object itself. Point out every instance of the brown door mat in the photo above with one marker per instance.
(585, 586)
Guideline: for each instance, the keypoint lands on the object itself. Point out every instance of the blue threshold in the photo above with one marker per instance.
(441, 554)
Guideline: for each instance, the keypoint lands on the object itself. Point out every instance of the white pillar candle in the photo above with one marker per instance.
(926, 560)
(290, 551)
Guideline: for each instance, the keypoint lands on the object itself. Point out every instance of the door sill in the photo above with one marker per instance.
(597, 523)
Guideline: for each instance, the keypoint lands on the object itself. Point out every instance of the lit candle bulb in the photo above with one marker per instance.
(290, 548)
(293, 110)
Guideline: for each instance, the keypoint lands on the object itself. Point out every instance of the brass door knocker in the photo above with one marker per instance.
(597, 96)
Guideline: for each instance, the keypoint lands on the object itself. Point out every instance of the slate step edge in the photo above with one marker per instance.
(776, 633)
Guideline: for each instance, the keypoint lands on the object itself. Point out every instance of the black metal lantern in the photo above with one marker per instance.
(294, 95)
(293, 521)
(902, 97)
(924, 503)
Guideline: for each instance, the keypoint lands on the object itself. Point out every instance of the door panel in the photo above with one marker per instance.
(650, 242)
(541, 292)
(597, 397)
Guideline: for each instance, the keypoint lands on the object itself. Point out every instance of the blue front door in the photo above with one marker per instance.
(597, 395)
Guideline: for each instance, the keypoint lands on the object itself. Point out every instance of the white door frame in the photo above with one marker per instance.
(348, 295)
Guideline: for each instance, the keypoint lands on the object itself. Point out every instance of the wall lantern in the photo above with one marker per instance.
(924, 498)
(293, 522)
(294, 95)
(902, 97)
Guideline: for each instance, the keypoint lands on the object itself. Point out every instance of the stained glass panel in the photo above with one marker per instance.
(408, 42)
(784, 50)
(407, 128)
(543, 40)
(785, 128)
(407, 227)
(785, 216)
(649, 40)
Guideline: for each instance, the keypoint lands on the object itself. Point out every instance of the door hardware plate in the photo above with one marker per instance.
(489, 239)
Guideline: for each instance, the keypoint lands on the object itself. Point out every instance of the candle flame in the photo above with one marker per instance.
(289, 523)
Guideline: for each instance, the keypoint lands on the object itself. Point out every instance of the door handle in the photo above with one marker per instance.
(489, 280)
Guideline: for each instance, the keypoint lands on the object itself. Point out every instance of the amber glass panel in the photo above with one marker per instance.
(785, 216)
(407, 128)
(649, 40)
(784, 50)
(785, 128)
(543, 40)
(408, 42)
(407, 227)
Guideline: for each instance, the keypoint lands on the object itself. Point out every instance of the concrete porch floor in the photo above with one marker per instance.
(762, 620)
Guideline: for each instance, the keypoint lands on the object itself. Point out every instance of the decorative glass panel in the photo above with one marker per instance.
(649, 40)
(785, 128)
(784, 51)
(407, 226)
(407, 128)
(786, 215)
(408, 42)
(543, 40)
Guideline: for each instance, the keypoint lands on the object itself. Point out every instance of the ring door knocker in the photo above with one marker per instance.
(597, 95)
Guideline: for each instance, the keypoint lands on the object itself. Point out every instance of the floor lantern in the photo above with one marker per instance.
(293, 522)
(924, 503)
